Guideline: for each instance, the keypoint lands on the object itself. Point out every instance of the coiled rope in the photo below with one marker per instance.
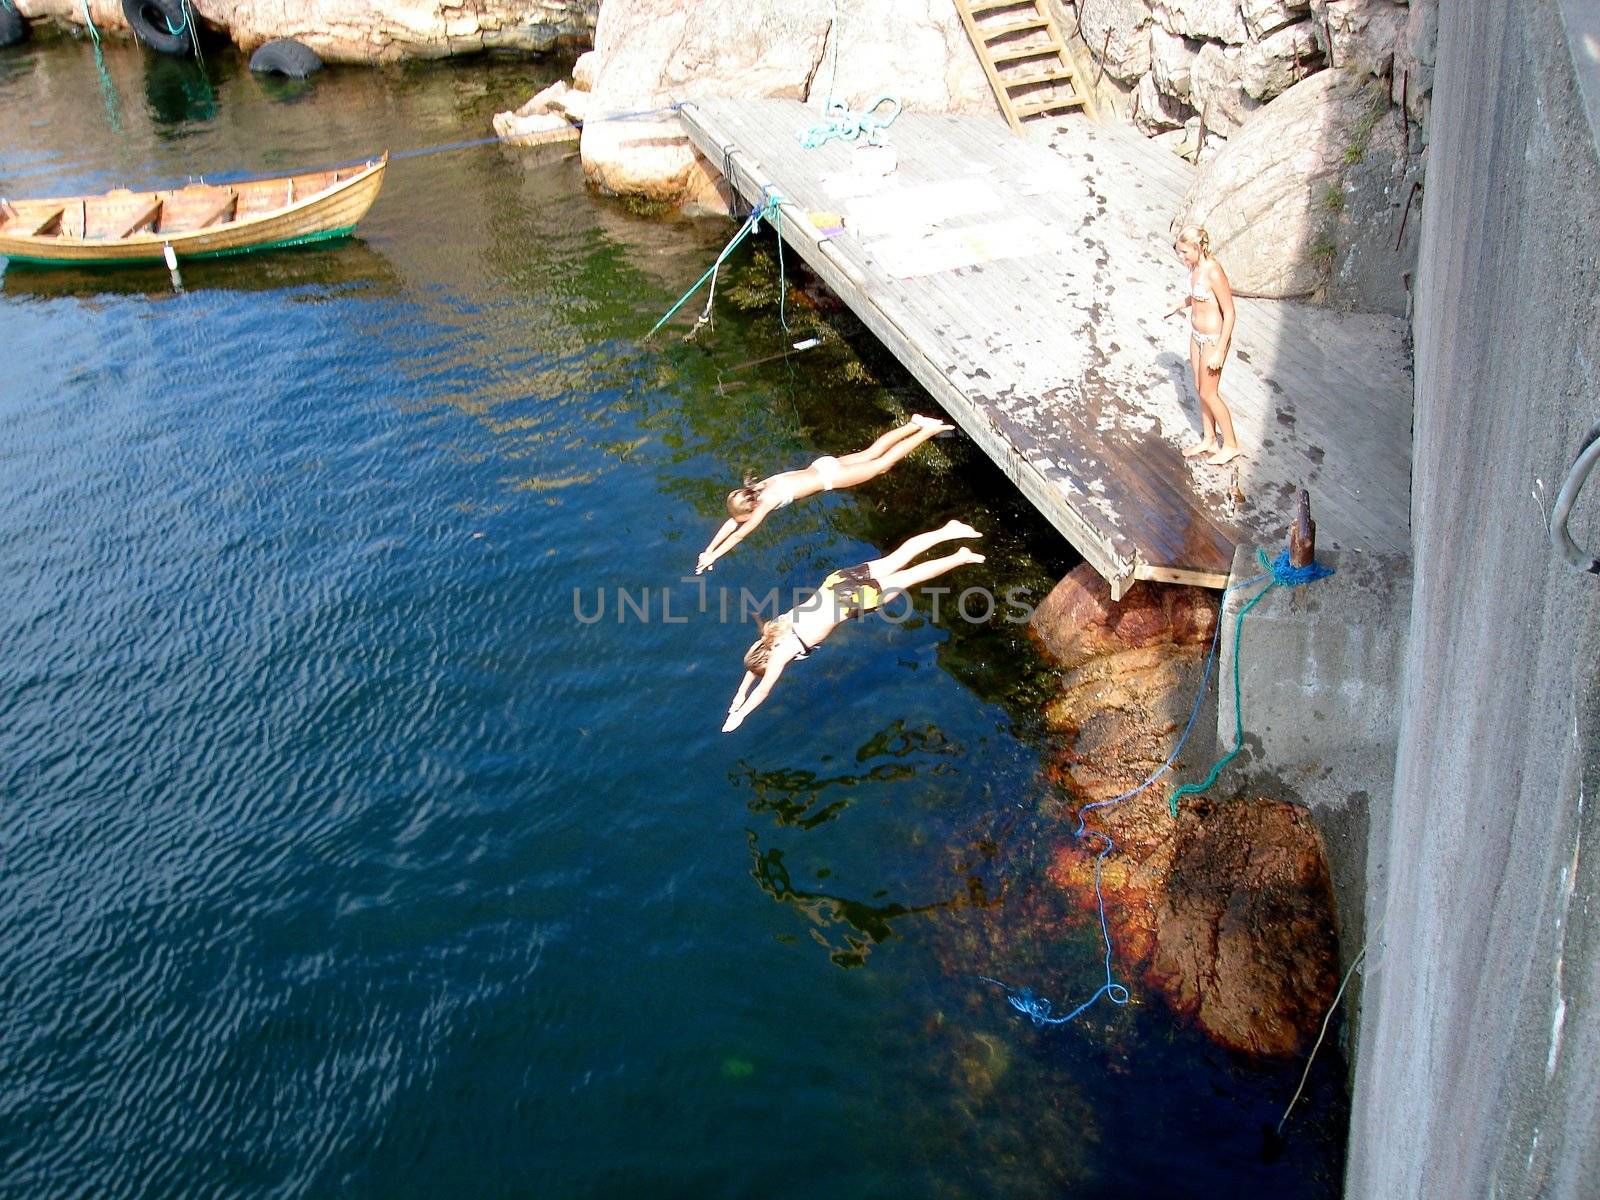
(840, 121)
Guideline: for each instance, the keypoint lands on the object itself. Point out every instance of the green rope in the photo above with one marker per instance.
(768, 208)
(108, 90)
(1282, 576)
(840, 122)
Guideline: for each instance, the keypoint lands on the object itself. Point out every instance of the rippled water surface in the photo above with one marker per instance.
(339, 858)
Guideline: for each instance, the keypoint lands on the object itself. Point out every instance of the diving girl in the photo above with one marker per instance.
(749, 505)
(843, 594)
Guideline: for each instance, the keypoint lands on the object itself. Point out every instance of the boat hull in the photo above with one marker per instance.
(330, 213)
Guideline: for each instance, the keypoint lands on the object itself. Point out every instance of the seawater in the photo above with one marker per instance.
(339, 857)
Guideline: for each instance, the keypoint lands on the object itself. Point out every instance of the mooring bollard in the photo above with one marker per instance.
(1303, 534)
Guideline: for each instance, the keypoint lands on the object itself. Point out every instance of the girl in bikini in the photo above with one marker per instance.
(1211, 315)
(749, 505)
(843, 594)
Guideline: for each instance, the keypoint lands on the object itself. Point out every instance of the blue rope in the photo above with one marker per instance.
(108, 90)
(1283, 576)
(840, 122)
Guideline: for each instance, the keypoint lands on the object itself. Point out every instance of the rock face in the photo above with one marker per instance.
(652, 53)
(1226, 911)
(370, 31)
(1218, 67)
(1317, 173)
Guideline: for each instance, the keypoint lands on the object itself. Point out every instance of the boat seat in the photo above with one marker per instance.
(45, 226)
(149, 215)
(223, 210)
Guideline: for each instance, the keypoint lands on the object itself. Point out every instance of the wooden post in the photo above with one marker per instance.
(1303, 534)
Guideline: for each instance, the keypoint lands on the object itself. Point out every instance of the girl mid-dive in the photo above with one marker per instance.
(749, 505)
(843, 594)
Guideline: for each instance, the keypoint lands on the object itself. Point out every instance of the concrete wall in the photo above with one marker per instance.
(1478, 1070)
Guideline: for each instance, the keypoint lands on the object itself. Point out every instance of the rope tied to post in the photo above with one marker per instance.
(768, 209)
(840, 121)
(1280, 574)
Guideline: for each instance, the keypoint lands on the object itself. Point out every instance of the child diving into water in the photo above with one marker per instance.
(843, 594)
(749, 505)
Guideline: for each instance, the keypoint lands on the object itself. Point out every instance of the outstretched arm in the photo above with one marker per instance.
(729, 536)
(711, 552)
(744, 704)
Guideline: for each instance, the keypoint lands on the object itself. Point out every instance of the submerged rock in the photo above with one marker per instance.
(1226, 911)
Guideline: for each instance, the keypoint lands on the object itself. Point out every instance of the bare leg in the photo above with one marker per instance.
(899, 559)
(1211, 397)
(879, 447)
(1208, 431)
(910, 577)
(855, 469)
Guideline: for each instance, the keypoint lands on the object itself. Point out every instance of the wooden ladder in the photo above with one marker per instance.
(1024, 57)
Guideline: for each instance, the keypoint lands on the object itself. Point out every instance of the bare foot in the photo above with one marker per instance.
(1199, 448)
(961, 529)
(1225, 456)
(928, 422)
(968, 555)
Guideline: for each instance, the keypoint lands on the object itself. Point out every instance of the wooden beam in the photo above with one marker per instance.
(229, 205)
(45, 226)
(148, 215)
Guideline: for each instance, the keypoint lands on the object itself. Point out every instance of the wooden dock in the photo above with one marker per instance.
(1021, 280)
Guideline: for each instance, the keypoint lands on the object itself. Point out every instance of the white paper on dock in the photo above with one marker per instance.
(923, 207)
(906, 256)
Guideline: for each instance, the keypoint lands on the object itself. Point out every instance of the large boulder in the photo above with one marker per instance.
(1262, 17)
(1274, 64)
(370, 31)
(1284, 201)
(1171, 58)
(1117, 33)
(1212, 20)
(653, 53)
(1216, 88)
(1363, 35)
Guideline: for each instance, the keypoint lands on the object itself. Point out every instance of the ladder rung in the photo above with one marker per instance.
(1044, 106)
(989, 5)
(1057, 76)
(1026, 52)
(994, 31)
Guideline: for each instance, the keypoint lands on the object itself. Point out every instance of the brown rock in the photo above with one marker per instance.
(1079, 621)
(1227, 911)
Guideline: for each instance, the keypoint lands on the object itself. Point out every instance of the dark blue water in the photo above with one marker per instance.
(340, 858)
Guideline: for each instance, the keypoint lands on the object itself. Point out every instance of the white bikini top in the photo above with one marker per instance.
(780, 489)
(1200, 291)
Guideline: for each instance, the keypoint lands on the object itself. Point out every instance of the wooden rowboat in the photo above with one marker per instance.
(203, 220)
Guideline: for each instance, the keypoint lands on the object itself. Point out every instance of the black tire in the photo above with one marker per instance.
(285, 56)
(153, 23)
(13, 25)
